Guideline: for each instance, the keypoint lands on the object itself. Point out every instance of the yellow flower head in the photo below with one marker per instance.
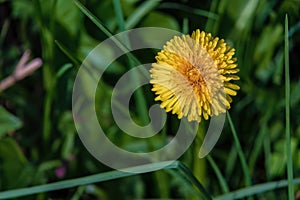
(192, 76)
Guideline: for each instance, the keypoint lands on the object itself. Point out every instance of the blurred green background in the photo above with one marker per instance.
(38, 140)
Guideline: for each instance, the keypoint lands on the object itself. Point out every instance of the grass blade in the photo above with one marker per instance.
(140, 12)
(68, 53)
(139, 96)
(188, 174)
(185, 26)
(133, 61)
(106, 176)
(3, 32)
(210, 23)
(108, 33)
(182, 7)
(84, 180)
(63, 70)
(93, 18)
(259, 141)
(267, 154)
(240, 152)
(161, 180)
(219, 175)
(256, 189)
(287, 113)
(119, 14)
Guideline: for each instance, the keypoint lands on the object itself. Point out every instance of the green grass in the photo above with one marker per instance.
(287, 113)
(186, 174)
(177, 166)
(252, 159)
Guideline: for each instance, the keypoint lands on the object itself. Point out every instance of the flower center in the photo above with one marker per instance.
(194, 76)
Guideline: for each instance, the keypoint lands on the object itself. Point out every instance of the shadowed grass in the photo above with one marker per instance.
(221, 179)
(185, 173)
(240, 152)
(132, 60)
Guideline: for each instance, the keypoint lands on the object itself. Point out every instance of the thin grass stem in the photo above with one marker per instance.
(287, 114)
(221, 179)
(256, 189)
(240, 152)
(119, 14)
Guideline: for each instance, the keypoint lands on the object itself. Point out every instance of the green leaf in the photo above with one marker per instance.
(243, 11)
(12, 163)
(8, 122)
(63, 69)
(68, 16)
(278, 158)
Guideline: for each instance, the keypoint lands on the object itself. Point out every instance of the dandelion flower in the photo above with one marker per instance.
(193, 76)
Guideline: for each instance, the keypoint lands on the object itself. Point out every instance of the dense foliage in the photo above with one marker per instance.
(38, 140)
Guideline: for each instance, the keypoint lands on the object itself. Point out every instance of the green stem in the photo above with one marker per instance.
(287, 114)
